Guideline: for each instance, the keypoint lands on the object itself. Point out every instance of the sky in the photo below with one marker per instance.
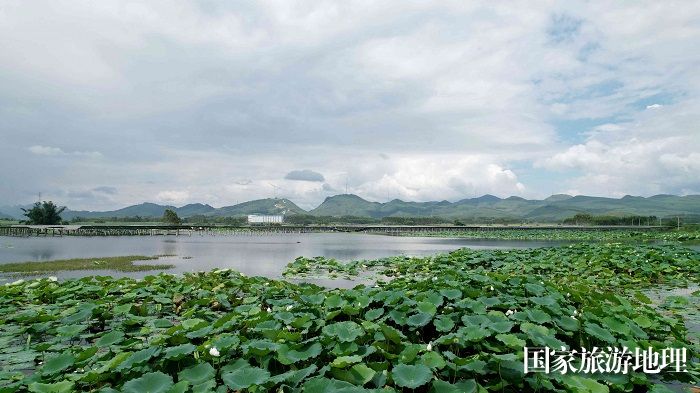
(110, 103)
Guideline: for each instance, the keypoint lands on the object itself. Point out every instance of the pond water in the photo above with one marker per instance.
(263, 255)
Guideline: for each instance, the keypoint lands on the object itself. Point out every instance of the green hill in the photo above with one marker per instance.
(553, 209)
(260, 206)
(347, 205)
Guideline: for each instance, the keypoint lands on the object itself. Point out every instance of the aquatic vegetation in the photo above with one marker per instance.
(566, 234)
(605, 265)
(121, 264)
(453, 323)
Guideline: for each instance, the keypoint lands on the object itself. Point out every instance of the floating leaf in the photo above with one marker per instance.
(155, 382)
(198, 374)
(245, 377)
(411, 376)
(58, 363)
(344, 331)
(111, 338)
(58, 387)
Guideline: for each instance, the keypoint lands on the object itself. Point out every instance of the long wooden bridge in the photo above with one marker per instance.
(190, 230)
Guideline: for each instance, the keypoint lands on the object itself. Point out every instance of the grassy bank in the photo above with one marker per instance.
(121, 264)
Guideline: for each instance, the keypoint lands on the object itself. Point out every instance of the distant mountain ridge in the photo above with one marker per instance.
(552, 209)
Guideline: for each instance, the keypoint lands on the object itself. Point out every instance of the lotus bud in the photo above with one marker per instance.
(429, 347)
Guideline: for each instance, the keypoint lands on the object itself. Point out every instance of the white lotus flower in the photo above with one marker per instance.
(573, 317)
(575, 312)
(53, 278)
(269, 309)
(509, 313)
(289, 307)
(214, 352)
(429, 347)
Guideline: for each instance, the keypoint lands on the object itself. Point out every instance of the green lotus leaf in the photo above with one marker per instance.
(57, 363)
(344, 331)
(452, 294)
(190, 324)
(643, 321)
(198, 374)
(245, 377)
(443, 324)
(111, 338)
(420, 319)
(179, 351)
(294, 377)
(287, 355)
(501, 326)
(433, 360)
(182, 386)
(155, 382)
(582, 384)
(598, 332)
(325, 385)
(567, 323)
(225, 341)
(476, 334)
(58, 387)
(511, 340)
(70, 330)
(344, 361)
(373, 314)
(138, 357)
(427, 307)
(538, 316)
(543, 300)
(445, 387)
(411, 377)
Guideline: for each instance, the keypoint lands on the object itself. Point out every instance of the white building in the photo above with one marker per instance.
(265, 219)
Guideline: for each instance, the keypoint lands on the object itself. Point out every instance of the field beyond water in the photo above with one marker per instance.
(455, 322)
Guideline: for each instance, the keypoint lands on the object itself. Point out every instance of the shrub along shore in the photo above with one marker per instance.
(455, 322)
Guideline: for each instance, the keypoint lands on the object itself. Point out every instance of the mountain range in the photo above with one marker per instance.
(552, 209)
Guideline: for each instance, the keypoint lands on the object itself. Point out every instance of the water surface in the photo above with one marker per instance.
(259, 254)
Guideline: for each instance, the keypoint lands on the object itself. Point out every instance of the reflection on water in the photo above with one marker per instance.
(264, 255)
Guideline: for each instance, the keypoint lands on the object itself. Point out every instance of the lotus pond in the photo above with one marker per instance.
(587, 235)
(454, 322)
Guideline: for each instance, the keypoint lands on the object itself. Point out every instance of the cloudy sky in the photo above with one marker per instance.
(109, 103)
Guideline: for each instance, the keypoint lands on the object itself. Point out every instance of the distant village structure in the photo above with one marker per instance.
(265, 219)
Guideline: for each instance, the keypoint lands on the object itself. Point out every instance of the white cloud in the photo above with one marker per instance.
(173, 196)
(46, 150)
(55, 151)
(221, 99)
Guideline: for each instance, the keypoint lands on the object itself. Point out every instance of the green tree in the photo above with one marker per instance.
(44, 213)
(170, 217)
